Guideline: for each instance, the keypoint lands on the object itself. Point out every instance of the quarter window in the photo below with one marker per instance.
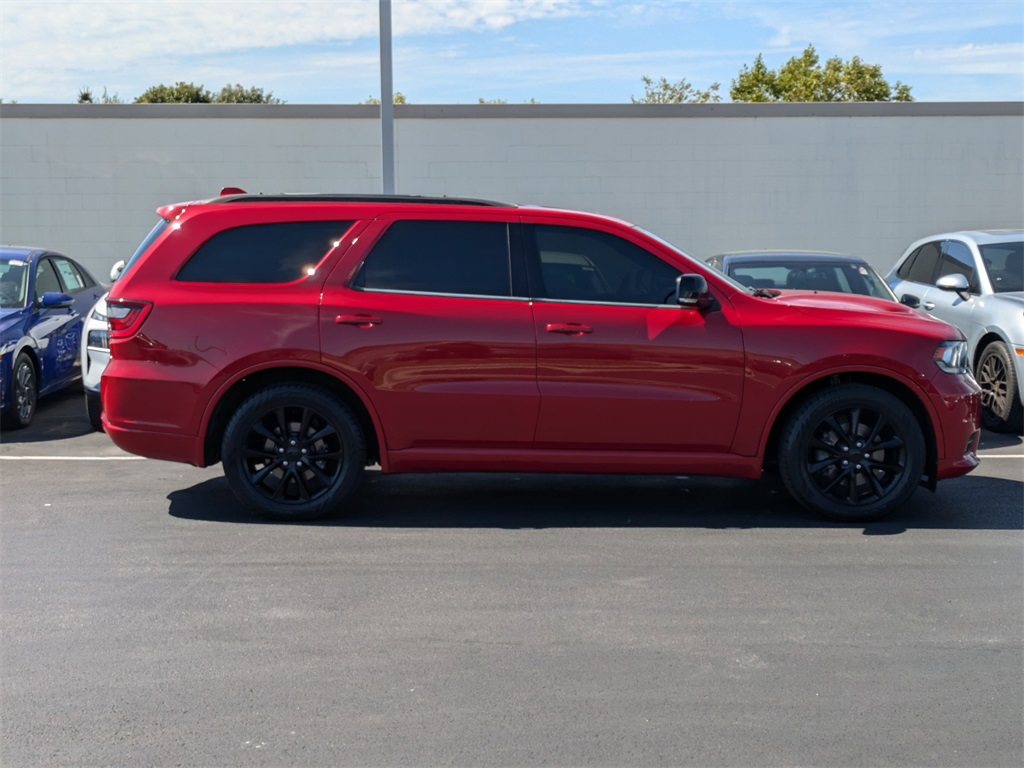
(588, 265)
(263, 253)
(458, 257)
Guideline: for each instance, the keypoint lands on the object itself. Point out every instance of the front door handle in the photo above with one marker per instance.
(569, 329)
(929, 305)
(360, 321)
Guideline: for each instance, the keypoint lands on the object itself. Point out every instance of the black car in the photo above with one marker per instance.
(803, 271)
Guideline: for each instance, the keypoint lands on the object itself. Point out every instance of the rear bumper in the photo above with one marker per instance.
(185, 449)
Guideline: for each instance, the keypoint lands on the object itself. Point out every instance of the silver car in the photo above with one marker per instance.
(975, 280)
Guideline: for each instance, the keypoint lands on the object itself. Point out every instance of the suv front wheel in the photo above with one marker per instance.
(852, 453)
(293, 452)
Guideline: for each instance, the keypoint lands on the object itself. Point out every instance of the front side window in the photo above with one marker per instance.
(588, 265)
(1005, 265)
(958, 260)
(454, 257)
(46, 279)
(263, 253)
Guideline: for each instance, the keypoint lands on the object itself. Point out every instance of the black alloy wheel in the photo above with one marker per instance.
(293, 452)
(24, 393)
(852, 453)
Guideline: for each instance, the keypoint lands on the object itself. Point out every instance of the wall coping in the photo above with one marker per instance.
(516, 111)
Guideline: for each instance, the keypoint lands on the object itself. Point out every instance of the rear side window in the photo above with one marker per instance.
(73, 280)
(920, 267)
(263, 253)
(459, 257)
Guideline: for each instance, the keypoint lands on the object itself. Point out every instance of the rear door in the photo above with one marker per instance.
(620, 365)
(430, 318)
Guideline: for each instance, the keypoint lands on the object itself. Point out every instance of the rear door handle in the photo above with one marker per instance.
(360, 321)
(569, 329)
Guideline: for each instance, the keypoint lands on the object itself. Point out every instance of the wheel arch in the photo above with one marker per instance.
(230, 399)
(885, 383)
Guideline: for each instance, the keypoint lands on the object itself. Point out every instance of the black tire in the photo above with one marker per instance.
(819, 442)
(24, 394)
(1001, 409)
(94, 410)
(293, 452)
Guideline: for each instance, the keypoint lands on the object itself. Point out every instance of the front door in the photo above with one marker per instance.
(620, 366)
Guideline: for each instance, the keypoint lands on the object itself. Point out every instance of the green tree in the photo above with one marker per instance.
(85, 96)
(180, 93)
(397, 98)
(680, 92)
(803, 78)
(237, 94)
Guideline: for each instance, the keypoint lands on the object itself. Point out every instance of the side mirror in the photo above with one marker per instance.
(55, 300)
(910, 300)
(955, 283)
(692, 291)
(116, 270)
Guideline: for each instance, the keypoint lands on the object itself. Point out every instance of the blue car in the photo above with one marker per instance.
(44, 300)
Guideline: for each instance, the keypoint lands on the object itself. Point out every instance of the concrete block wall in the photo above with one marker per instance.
(856, 178)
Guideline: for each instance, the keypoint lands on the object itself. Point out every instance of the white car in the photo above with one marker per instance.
(975, 280)
(96, 354)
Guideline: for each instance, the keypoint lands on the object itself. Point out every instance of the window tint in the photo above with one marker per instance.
(69, 275)
(461, 257)
(263, 253)
(1005, 265)
(46, 279)
(587, 265)
(921, 266)
(958, 260)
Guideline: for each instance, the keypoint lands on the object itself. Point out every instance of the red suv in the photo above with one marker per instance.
(299, 338)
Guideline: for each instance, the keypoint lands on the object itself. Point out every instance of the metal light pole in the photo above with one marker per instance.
(387, 103)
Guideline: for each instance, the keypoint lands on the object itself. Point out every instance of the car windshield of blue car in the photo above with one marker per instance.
(13, 283)
(1005, 265)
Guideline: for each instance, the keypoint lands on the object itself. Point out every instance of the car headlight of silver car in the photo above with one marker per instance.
(951, 357)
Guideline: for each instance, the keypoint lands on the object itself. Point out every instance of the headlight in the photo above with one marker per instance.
(97, 315)
(951, 356)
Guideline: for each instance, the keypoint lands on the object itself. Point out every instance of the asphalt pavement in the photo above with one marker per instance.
(484, 620)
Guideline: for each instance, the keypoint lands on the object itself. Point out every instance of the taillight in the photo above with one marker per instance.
(125, 317)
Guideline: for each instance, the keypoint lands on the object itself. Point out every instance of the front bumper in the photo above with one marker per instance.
(957, 401)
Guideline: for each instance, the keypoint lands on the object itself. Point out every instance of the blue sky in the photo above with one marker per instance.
(459, 51)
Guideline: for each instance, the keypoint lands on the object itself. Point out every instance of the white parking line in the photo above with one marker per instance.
(72, 458)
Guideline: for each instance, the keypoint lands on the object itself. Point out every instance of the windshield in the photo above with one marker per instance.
(1005, 265)
(143, 247)
(13, 283)
(807, 275)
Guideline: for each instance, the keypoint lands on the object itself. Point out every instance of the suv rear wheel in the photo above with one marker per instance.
(293, 452)
(852, 453)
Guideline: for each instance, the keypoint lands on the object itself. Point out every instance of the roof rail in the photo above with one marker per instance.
(336, 198)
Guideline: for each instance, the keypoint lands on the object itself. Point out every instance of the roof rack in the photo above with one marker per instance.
(334, 198)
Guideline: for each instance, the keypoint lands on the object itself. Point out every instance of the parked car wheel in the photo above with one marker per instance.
(24, 393)
(1001, 409)
(293, 452)
(852, 453)
(94, 410)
